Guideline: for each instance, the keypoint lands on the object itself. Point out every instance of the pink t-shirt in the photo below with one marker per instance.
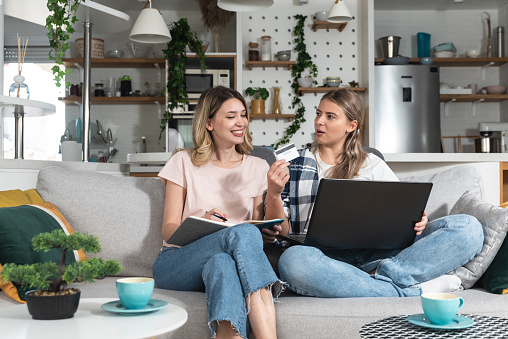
(230, 190)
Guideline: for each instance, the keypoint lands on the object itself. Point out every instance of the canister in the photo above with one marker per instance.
(126, 86)
(500, 42)
(266, 48)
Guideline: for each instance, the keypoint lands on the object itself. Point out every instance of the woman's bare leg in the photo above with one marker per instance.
(261, 312)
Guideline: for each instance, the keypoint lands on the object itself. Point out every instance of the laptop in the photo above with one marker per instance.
(351, 214)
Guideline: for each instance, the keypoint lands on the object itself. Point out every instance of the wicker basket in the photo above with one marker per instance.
(97, 48)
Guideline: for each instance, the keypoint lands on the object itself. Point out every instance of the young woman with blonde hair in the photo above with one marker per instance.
(440, 246)
(218, 179)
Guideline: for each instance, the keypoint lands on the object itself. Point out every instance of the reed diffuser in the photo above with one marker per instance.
(18, 88)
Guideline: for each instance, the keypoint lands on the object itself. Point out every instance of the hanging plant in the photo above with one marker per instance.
(214, 18)
(60, 28)
(303, 64)
(181, 36)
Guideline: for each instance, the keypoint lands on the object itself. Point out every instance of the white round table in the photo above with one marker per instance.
(91, 321)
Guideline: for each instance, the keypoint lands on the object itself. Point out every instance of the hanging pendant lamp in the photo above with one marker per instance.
(150, 26)
(244, 5)
(339, 12)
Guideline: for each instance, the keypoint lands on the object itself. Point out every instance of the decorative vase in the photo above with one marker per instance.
(19, 89)
(258, 106)
(52, 307)
(276, 106)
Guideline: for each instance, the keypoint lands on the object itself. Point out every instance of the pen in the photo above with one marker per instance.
(220, 217)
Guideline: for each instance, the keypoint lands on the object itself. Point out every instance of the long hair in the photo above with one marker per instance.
(353, 156)
(209, 103)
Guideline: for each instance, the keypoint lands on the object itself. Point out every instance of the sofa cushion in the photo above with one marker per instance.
(18, 225)
(13, 198)
(449, 185)
(494, 221)
(125, 213)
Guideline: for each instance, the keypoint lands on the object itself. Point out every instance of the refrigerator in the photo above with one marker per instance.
(407, 109)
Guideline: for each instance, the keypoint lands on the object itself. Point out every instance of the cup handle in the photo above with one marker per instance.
(461, 303)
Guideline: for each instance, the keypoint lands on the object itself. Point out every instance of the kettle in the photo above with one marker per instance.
(126, 86)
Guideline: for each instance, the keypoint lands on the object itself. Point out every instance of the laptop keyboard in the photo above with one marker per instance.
(294, 238)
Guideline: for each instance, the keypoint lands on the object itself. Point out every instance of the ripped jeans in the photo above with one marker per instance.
(445, 244)
(228, 265)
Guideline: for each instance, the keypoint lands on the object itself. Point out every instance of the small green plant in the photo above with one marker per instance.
(304, 67)
(257, 93)
(54, 277)
(181, 36)
(62, 16)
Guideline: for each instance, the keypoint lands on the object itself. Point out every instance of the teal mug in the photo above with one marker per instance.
(441, 308)
(135, 293)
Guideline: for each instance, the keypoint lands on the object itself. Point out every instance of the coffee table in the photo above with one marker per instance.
(91, 321)
(399, 327)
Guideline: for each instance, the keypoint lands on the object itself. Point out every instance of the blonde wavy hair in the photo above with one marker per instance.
(353, 156)
(209, 103)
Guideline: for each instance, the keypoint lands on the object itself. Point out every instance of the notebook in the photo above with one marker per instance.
(365, 214)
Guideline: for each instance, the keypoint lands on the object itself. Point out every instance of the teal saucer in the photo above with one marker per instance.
(117, 307)
(459, 322)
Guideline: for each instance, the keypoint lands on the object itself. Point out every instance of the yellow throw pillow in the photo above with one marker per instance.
(9, 289)
(13, 198)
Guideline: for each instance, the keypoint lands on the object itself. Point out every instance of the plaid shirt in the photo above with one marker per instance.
(300, 191)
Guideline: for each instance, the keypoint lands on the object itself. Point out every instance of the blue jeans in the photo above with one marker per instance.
(228, 265)
(445, 244)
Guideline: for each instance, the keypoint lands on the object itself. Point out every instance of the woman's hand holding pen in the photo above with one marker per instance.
(216, 215)
(420, 226)
(269, 236)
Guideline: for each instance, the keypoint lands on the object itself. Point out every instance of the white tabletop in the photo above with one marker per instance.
(32, 108)
(90, 321)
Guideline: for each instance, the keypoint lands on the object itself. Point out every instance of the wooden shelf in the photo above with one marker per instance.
(115, 62)
(272, 116)
(251, 64)
(328, 25)
(473, 97)
(458, 62)
(303, 90)
(115, 100)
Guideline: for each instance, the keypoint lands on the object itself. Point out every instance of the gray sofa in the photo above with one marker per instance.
(126, 214)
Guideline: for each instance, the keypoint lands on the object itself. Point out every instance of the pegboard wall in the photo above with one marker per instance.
(334, 53)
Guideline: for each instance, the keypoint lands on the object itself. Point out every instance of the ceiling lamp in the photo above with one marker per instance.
(150, 26)
(244, 5)
(339, 12)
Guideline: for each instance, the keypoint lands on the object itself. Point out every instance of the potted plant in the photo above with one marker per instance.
(304, 65)
(62, 16)
(259, 95)
(175, 53)
(49, 298)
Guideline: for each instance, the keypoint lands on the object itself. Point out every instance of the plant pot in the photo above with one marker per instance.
(52, 307)
(258, 106)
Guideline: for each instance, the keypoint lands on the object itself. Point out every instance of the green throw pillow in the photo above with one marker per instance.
(495, 279)
(18, 225)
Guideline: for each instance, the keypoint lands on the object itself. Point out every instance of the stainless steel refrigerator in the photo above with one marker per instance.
(407, 117)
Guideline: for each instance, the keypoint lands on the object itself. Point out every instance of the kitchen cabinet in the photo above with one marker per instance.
(116, 63)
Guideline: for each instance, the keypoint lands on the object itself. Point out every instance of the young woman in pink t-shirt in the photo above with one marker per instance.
(217, 179)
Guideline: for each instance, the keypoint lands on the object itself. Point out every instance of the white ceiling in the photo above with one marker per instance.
(438, 4)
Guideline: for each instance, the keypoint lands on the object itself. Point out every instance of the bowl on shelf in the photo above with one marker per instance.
(444, 54)
(321, 15)
(139, 51)
(426, 61)
(446, 46)
(333, 81)
(204, 47)
(305, 82)
(473, 53)
(158, 54)
(115, 53)
(284, 55)
(493, 90)
(152, 92)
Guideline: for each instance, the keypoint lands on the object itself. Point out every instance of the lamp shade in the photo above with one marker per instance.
(339, 12)
(244, 5)
(150, 28)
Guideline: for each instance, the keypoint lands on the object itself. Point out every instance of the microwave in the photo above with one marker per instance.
(197, 81)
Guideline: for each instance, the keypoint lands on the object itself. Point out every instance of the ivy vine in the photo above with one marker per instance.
(181, 36)
(60, 29)
(303, 64)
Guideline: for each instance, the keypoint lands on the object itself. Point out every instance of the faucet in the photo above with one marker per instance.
(109, 141)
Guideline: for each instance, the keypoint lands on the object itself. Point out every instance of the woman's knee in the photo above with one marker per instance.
(245, 233)
(294, 258)
(470, 229)
(221, 263)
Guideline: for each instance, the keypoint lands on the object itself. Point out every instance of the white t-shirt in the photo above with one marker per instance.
(230, 190)
(374, 168)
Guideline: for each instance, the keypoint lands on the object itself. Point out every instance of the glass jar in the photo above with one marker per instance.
(74, 91)
(19, 89)
(266, 48)
(253, 51)
(99, 90)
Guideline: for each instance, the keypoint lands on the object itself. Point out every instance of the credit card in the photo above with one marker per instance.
(287, 153)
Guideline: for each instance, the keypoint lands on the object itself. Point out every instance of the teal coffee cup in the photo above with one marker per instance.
(135, 293)
(441, 308)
